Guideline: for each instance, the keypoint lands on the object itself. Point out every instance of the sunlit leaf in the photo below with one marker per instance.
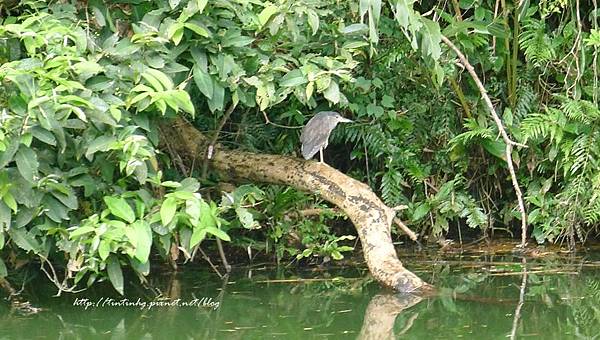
(333, 92)
(167, 210)
(218, 233)
(144, 240)
(313, 20)
(104, 249)
(293, 78)
(82, 231)
(355, 29)
(266, 14)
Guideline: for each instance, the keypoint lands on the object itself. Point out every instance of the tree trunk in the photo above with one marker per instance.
(371, 217)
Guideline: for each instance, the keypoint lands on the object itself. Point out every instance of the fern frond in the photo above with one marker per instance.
(526, 99)
(536, 44)
(391, 187)
(581, 152)
(536, 125)
(474, 132)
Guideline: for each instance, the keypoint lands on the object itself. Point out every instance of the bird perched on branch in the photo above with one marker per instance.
(315, 135)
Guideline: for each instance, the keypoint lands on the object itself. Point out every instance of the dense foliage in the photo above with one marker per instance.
(87, 185)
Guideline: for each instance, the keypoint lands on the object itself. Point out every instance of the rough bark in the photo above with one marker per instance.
(370, 216)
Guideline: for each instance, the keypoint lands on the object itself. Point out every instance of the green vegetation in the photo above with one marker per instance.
(87, 187)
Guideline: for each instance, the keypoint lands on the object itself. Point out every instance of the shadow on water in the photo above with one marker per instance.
(479, 297)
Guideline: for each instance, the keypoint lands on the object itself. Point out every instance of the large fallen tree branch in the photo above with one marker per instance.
(371, 217)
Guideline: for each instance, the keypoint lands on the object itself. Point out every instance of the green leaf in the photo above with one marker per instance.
(374, 110)
(431, 39)
(24, 240)
(182, 195)
(153, 81)
(246, 218)
(115, 273)
(217, 102)
(88, 68)
(120, 208)
(266, 14)
(197, 29)
(3, 271)
(27, 163)
(218, 233)
(351, 45)
(198, 236)
(420, 211)
(139, 267)
(355, 29)
(104, 249)
(170, 184)
(192, 208)
(102, 143)
(5, 217)
(387, 101)
(206, 216)
(167, 210)
(184, 101)
(293, 78)
(99, 16)
(495, 147)
(7, 156)
(313, 20)
(10, 201)
(54, 209)
(404, 10)
(81, 231)
(204, 82)
(164, 80)
(43, 135)
(189, 184)
(333, 92)
(144, 240)
(238, 41)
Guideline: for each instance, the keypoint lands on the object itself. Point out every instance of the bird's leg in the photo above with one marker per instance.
(321, 154)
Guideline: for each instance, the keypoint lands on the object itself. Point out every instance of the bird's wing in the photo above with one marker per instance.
(312, 139)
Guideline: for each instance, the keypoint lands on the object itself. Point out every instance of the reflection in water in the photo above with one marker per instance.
(553, 300)
(381, 313)
(513, 331)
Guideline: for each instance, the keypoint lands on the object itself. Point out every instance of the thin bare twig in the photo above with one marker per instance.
(405, 229)
(175, 158)
(268, 121)
(210, 262)
(213, 140)
(209, 155)
(509, 143)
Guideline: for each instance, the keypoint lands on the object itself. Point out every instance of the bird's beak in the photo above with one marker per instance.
(345, 120)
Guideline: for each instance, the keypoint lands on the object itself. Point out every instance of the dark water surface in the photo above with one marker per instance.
(479, 296)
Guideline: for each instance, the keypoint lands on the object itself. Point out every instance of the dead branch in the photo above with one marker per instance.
(509, 143)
